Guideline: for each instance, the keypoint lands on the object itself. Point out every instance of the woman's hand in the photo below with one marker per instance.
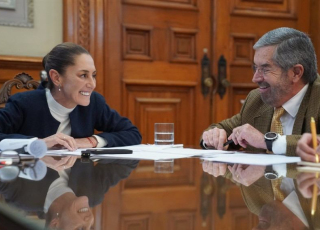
(60, 139)
(59, 163)
(87, 142)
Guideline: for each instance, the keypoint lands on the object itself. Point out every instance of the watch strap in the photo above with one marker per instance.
(269, 144)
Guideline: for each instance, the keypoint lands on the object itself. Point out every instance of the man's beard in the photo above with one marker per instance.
(277, 92)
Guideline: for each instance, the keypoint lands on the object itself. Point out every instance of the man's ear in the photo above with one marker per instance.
(298, 71)
(54, 223)
(55, 77)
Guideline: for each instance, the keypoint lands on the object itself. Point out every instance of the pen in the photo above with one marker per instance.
(314, 143)
(314, 137)
(228, 142)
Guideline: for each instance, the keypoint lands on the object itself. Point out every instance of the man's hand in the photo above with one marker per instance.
(305, 149)
(215, 169)
(246, 174)
(306, 182)
(248, 135)
(215, 138)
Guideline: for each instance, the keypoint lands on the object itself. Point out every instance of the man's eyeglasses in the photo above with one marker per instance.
(262, 70)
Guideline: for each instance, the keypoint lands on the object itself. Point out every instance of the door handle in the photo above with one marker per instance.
(206, 78)
(222, 76)
(206, 192)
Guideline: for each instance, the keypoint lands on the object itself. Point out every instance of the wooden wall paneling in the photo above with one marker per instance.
(173, 4)
(133, 222)
(112, 32)
(278, 8)
(10, 66)
(181, 220)
(242, 219)
(315, 26)
(111, 208)
(241, 45)
(161, 89)
(137, 42)
(183, 45)
(82, 24)
(163, 202)
(150, 102)
(144, 175)
(97, 42)
(240, 67)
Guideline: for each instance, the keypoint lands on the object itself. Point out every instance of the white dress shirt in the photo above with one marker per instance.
(279, 146)
(292, 106)
(292, 201)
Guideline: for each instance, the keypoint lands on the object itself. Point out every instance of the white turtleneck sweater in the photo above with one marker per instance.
(61, 114)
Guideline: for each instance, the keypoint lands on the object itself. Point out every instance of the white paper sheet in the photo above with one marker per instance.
(253, 159)
(157, 152)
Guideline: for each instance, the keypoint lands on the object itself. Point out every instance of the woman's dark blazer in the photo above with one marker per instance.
(27, 115)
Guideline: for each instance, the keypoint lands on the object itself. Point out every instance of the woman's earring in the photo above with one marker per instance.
(59, 88)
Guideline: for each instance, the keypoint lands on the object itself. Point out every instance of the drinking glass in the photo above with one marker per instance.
(164, 133)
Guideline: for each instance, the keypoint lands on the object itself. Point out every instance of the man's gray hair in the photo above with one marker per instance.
(292, 47)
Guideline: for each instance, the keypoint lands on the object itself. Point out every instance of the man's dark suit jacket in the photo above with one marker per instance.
(27, 115)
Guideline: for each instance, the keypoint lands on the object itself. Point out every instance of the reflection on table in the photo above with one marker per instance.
(279, 203)
(65, 199)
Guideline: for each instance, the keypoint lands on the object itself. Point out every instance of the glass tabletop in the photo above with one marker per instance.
(164, 194)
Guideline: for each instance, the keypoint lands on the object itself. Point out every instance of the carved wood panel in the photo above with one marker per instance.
(183, 45)
(258, 8)
(242, 49)
(137, 42)
(156, 103)
(181, 220)
(135, 222)
(174, 4)
(242, 218)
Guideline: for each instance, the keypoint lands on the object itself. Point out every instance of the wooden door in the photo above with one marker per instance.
(238, 25)
(148, 58)
(156, 49)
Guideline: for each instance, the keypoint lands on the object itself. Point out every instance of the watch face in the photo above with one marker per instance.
(271, 175)
(271, 136)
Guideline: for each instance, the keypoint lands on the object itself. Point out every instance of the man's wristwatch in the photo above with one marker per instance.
(270, 137)
(270, 174)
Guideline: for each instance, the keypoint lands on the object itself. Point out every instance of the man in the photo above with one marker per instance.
(285, 70)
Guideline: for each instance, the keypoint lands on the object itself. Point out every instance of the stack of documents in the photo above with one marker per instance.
(159, 152)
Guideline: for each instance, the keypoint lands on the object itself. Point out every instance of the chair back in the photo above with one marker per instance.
(20, 81)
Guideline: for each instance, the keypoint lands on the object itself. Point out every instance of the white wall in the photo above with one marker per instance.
(36, 41)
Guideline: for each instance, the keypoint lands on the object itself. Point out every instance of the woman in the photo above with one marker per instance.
(65, 111)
